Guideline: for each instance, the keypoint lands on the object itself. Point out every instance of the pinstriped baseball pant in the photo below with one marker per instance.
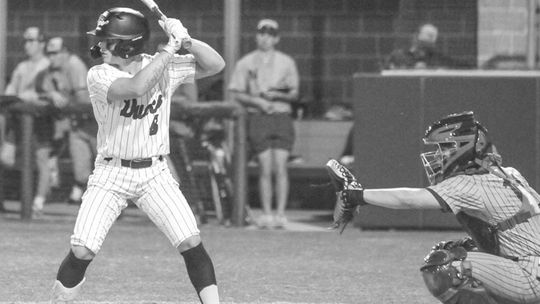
(152, 189)
(514, 282)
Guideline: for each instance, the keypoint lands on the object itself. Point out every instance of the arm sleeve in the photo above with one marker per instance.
(181, 69)
(78, 75)
(293, 79)
(238, 81)
(11, 88)
(458, 193)
(99, 81)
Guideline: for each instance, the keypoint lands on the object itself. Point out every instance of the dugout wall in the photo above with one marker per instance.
(393, 109)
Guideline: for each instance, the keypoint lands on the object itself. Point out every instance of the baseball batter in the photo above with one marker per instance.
(131, 95)
(499, 262)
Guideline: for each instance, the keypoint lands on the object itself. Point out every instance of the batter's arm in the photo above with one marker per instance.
(209, 61)
(142, 82)
(401, 198)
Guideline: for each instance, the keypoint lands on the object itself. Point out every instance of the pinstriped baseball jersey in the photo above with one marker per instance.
(488, 197)
(139, 127)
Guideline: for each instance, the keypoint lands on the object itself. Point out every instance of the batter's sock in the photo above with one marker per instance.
(72, 270)
(201, 273)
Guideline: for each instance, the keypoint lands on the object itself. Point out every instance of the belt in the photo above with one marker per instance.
(138, 163)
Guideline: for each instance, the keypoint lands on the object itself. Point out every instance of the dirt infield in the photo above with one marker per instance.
(138, 265)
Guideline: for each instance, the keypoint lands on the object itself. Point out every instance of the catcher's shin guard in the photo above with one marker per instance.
(447, 276)
(64, 295)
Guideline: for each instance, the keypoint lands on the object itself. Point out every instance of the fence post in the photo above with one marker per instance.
(27, 177)
(240, 169)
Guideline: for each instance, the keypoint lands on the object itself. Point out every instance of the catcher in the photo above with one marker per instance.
(498, 262)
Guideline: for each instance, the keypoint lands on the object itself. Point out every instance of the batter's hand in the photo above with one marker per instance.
(176, 32)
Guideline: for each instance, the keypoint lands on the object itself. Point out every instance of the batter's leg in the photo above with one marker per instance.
(98, 211)
(167, 207)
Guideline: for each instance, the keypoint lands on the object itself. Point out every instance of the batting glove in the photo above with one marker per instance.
(177, 34)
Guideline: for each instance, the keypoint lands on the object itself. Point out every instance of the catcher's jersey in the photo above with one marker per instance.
(489, 198)
(138, 127)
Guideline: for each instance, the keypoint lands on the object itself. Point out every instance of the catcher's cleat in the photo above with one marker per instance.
(340, 177)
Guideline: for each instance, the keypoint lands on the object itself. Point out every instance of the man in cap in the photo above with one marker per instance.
(22, 84)
(64, 85)
(266, 81)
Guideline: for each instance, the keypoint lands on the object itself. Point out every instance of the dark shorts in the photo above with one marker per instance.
(274, 131)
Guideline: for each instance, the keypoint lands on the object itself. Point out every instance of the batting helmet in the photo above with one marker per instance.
(461, 141)
(124, 24)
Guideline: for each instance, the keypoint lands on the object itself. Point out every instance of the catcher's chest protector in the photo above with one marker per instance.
(483, 234)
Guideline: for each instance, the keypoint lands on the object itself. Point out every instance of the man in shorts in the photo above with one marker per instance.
(266, 81)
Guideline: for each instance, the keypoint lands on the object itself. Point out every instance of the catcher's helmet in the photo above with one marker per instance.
(460, 140)
(124, 24)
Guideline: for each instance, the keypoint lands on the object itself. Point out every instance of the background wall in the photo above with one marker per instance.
(502, 28)
(330, 39)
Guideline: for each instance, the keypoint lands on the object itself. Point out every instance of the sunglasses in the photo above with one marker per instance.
(268, 30)
(52, 53)
(31, 40)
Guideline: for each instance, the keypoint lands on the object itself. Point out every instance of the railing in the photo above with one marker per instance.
(26, 113)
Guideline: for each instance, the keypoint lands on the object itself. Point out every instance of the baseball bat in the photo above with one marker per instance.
(152, 5)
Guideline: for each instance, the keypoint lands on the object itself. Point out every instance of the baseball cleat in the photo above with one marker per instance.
(341, 178)
(64, 295)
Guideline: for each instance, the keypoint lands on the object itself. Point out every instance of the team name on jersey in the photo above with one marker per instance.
(136, 111)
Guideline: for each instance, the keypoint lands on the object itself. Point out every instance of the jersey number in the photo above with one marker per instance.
(154, 125)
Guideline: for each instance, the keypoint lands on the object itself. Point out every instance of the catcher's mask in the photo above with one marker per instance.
(460, 141)
(128, 27)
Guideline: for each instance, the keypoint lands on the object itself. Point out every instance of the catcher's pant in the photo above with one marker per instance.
(152, 189)
(513, 282)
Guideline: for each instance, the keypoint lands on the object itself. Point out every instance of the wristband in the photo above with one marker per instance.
(169, 49)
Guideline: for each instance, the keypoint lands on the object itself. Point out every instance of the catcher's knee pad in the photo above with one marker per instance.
(448, 278)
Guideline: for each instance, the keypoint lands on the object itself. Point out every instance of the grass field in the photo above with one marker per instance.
(138, 265)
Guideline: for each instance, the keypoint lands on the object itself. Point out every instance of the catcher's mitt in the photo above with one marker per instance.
(350, 194)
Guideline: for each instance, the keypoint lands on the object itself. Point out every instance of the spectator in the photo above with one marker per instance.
(423, 53)
(266, 81)
(64, 84)
(22, 84)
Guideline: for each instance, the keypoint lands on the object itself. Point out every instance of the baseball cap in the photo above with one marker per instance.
(268, 26)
